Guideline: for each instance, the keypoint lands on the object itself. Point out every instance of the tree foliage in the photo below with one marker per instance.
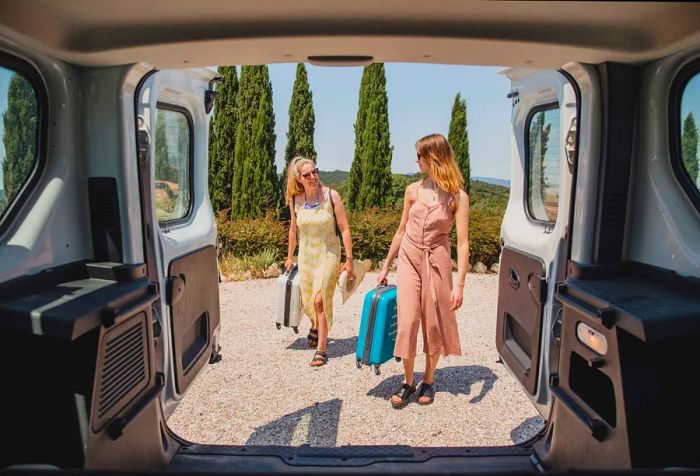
(255, 186)
(370, 172)
(164, 171)
(20, 136)
(689, 147)
(459, 139)
(222, 139)
(300, 136)
(539, 136)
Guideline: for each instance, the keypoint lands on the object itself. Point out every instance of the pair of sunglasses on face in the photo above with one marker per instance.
(309, 174)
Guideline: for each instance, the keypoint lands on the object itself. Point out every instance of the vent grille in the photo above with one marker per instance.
(123, 369)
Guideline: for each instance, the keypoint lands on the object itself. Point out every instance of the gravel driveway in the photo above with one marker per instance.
(263, 391)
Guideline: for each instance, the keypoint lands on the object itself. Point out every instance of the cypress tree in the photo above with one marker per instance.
(255, 186)
(689, 147)
(19, 138)
(376, 149)
(458, 137)
(300, 136)
(355, 177)
(222, 139)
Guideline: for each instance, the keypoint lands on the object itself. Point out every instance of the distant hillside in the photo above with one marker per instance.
(488, 194)
(495, 181)
(334, 178)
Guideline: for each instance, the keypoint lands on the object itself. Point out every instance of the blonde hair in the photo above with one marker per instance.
(438, 153)
(294, 188)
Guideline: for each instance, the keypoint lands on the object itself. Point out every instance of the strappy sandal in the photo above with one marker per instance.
(321, 357)
(404, 393)
(313, 338)
(426, 391)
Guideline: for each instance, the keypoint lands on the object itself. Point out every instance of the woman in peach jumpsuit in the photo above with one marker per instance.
(426, 294)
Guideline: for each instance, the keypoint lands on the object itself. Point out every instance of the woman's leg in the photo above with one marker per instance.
(322, 328)
(408, 376)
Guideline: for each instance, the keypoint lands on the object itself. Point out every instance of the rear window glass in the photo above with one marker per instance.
(19, 130)
(173, 174)
(543, 164)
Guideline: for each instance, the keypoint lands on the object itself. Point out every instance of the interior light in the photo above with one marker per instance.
(591, 338)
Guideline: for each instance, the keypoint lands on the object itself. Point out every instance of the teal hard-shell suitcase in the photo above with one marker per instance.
(378, 328)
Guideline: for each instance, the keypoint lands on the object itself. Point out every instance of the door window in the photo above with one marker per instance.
(543, 162)
(173, 165)
(19, 135)
(690, 114)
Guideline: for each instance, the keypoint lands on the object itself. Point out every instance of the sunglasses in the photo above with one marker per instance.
(309, 174)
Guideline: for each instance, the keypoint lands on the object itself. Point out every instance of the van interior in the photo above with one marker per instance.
(107, 317)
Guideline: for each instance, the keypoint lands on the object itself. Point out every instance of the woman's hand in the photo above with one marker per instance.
(288, 264)
(381, 279)
(348, 266)
(456, 297)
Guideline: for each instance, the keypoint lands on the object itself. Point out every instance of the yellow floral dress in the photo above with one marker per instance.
(319, 257)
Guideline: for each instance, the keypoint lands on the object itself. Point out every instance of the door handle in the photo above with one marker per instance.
(513, 278)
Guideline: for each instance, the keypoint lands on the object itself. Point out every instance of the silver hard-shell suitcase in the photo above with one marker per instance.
(289, 306)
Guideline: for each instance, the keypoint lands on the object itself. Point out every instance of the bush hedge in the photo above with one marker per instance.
(372, 232)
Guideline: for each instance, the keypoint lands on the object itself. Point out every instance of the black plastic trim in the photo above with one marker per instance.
(190, 123)
(678, 85)
(620, 86)
(539, 108)
(32, 75)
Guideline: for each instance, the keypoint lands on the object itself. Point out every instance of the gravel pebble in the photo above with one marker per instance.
(263, 391)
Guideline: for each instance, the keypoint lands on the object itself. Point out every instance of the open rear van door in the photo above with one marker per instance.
(534, 229)
(172, 108)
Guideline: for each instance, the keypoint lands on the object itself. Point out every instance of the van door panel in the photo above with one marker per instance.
(194, 310)
(522, 293)
(534, 229)
(182, 231)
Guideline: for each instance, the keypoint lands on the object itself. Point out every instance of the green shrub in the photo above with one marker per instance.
(249, 237)
(372, 232)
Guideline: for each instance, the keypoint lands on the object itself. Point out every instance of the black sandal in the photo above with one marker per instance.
(319, 356)
(313, 338)
(404, 393)
(426, 390)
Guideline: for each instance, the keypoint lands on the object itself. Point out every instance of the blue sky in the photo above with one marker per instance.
(420, 103)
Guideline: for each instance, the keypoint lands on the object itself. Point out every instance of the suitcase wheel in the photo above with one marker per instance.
(398, 359)
(358, 363)
(279, 326)
(295, 329)
(376, 370)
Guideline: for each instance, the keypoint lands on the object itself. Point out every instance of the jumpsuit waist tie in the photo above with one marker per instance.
(429, 267)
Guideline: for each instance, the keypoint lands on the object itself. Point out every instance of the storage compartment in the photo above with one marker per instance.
(77, 355)
(624, 394)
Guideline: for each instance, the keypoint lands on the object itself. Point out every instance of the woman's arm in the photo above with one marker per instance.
(292, 236)
(341, 218)
(462, 220)
(408, 198)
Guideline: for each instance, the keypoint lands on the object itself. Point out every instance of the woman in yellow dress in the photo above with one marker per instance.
(315, 210)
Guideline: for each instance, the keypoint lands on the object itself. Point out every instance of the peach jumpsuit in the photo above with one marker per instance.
(424, 282)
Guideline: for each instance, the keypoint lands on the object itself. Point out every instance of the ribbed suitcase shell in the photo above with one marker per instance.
(375, 344)
(289, 307)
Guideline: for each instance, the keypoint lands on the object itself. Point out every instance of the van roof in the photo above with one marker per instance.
(185, 33)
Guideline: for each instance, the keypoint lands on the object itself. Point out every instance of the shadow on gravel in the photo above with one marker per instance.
(526, 430)
(455, 380)
(316, 425)
(336, 347)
